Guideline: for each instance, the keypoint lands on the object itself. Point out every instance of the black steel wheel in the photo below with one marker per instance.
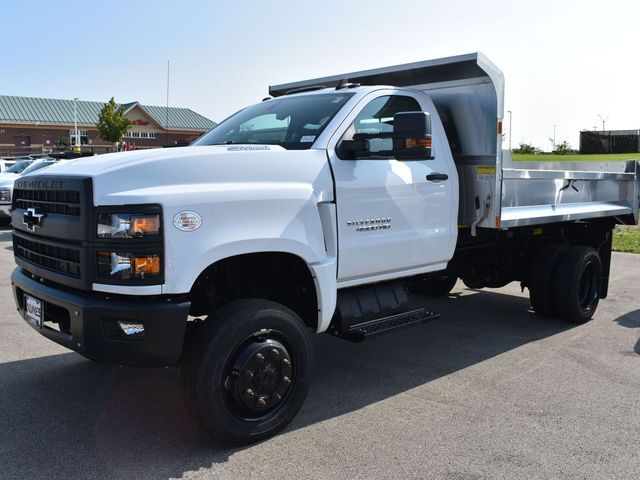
(260, 375)
(542, 279)
(578, 284)
(248, 374)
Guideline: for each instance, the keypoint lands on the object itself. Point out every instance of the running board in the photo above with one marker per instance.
(360, 331)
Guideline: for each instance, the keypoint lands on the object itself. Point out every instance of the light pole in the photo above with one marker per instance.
(604, 119)
(510, 127)
(75, 124)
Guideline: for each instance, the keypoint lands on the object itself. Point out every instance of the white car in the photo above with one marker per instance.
(8, 177)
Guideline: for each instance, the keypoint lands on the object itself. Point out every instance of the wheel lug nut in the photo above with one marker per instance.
(259, 357)
(261, 402)
(248, 375)
(275, 354)
(249, 393)
(286, 380)
(286, 362)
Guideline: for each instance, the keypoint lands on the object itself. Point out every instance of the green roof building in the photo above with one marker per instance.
(29, 125)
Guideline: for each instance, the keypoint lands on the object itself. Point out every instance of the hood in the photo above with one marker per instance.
(151, 176)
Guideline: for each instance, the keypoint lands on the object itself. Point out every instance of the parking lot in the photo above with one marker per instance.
(487, 391)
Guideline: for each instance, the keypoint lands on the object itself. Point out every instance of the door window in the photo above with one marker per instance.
(377, 117)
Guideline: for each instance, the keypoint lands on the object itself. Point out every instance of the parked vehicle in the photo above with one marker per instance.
(7, 162)
(6, 183)
(14, 169)
(319, 210)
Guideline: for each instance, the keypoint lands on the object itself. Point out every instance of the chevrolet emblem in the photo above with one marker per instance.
(32, 219)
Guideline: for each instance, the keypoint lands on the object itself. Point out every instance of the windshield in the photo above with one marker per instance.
(37, 166)
(291, 122)
(18, 167)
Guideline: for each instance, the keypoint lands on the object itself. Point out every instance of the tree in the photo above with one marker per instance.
(527, 149)
(563, 148)
(112, 124)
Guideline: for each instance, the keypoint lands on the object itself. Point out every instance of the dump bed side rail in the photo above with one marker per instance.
(536, 193)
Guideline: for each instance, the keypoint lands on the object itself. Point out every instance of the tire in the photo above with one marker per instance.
(541, 279)
(5, 222)
(578, 284)
(436, 285)
(472, 283)
(236, 395)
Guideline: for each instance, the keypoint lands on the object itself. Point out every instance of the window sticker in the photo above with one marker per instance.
(307, 138)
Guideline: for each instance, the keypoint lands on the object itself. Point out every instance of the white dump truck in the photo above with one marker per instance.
(322, 208)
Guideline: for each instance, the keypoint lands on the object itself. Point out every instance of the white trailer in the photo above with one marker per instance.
(323, 208)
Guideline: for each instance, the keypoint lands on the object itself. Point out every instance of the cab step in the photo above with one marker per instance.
(360, 331)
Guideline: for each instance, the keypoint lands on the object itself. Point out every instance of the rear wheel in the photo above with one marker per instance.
(436, 285)
(578, 284)
(541, 279)
(248, 374)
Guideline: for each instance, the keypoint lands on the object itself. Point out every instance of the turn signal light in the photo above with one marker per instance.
(417, 142)
(147, 225)
(146, 266)
(128, 266)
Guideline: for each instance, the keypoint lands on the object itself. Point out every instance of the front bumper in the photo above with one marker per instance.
(87, 322)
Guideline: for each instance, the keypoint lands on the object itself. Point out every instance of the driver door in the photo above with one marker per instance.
(391, 218)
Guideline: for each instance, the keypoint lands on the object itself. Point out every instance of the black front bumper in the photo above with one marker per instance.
(87, 322)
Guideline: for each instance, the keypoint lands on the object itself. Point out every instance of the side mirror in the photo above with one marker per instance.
(412, 136)
(410, 139)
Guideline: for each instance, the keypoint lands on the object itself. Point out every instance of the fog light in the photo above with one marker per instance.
(131, 328)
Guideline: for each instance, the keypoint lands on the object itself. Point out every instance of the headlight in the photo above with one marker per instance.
(127, 226)
(128, 266)
(5, 195)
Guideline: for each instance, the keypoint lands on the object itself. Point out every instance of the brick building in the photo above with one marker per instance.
(30, 125)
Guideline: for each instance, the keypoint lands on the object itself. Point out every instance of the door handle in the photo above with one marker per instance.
(437, 177)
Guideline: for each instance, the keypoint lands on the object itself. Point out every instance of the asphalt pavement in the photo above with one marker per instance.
(487, 391)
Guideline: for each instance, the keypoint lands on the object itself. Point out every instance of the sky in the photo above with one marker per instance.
(565, 62)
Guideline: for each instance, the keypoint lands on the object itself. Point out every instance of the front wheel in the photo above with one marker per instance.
(248, 374)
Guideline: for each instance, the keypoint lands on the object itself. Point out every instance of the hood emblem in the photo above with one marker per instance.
(33, 219)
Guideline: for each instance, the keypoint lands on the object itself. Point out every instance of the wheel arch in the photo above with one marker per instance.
(277, 275)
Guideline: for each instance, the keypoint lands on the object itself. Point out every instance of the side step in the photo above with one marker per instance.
(358, 332)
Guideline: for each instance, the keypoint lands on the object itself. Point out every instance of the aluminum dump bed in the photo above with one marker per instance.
(495, 192)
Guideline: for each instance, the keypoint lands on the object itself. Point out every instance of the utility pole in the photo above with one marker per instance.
(76, 147)
(166, 123)
(510, 127)
(603, 121)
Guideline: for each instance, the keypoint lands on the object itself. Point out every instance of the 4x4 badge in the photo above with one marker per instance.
(32, 219)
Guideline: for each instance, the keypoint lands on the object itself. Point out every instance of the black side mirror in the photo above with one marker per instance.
(412, 136)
